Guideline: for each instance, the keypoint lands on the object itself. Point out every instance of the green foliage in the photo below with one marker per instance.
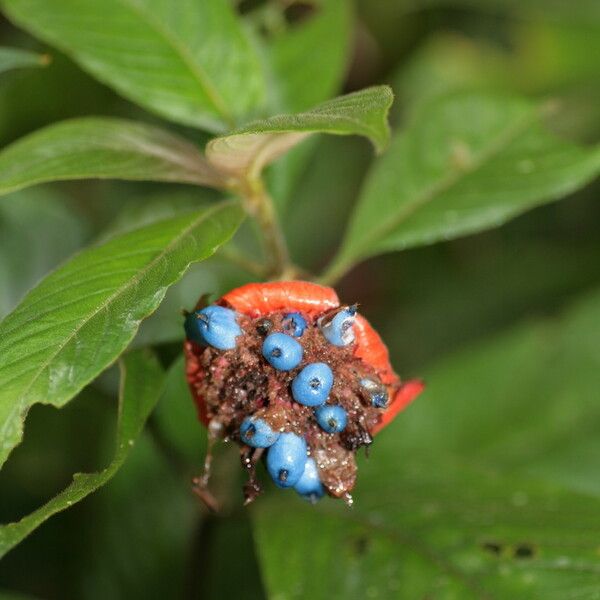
(487, 487)
(309, 58)
(81, 317)
(141, 385)
(187, 65)
(15, 58)
(102, 148)
(467, 162)
(249, 149)
(118, 149)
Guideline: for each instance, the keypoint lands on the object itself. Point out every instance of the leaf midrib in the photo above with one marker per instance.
(18, 404)
(446, 183)
(195, 69)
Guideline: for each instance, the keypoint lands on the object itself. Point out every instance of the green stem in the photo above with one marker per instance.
(259, 204)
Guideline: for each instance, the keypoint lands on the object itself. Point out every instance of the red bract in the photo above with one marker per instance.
(260, 299)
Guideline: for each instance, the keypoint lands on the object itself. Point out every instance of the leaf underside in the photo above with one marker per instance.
(252, 147)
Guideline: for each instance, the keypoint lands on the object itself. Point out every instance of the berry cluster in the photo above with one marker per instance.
(294, 378)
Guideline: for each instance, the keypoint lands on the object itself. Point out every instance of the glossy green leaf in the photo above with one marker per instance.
(467, 162)
(141, 384)
(252, 147)
(463, 496)
(102, 148)
(81, 317)
(189, 61)
(15, 58)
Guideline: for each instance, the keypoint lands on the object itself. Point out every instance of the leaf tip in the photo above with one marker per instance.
(382, 141)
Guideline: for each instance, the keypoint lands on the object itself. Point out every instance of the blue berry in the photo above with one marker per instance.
(331, 418)
(214, 325)
(312, 385)
(286, 459)
(256, 432)
(376, 391)
(282, 351)
(338, 329)
(309, 485)
(294, 324)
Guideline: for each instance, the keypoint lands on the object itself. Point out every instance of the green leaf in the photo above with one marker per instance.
(431, 529)
(102, 148)
(252, 147)
(467, 162)
(141, 384)
(81, 317)
(481, 489)
(15, 58)
(309, 58)
(191, 63)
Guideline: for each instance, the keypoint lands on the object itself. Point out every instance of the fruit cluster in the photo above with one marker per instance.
(294, 378)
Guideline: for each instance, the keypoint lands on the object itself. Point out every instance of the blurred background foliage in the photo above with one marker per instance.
(504, 326)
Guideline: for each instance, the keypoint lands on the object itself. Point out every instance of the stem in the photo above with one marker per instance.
(259, 204)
